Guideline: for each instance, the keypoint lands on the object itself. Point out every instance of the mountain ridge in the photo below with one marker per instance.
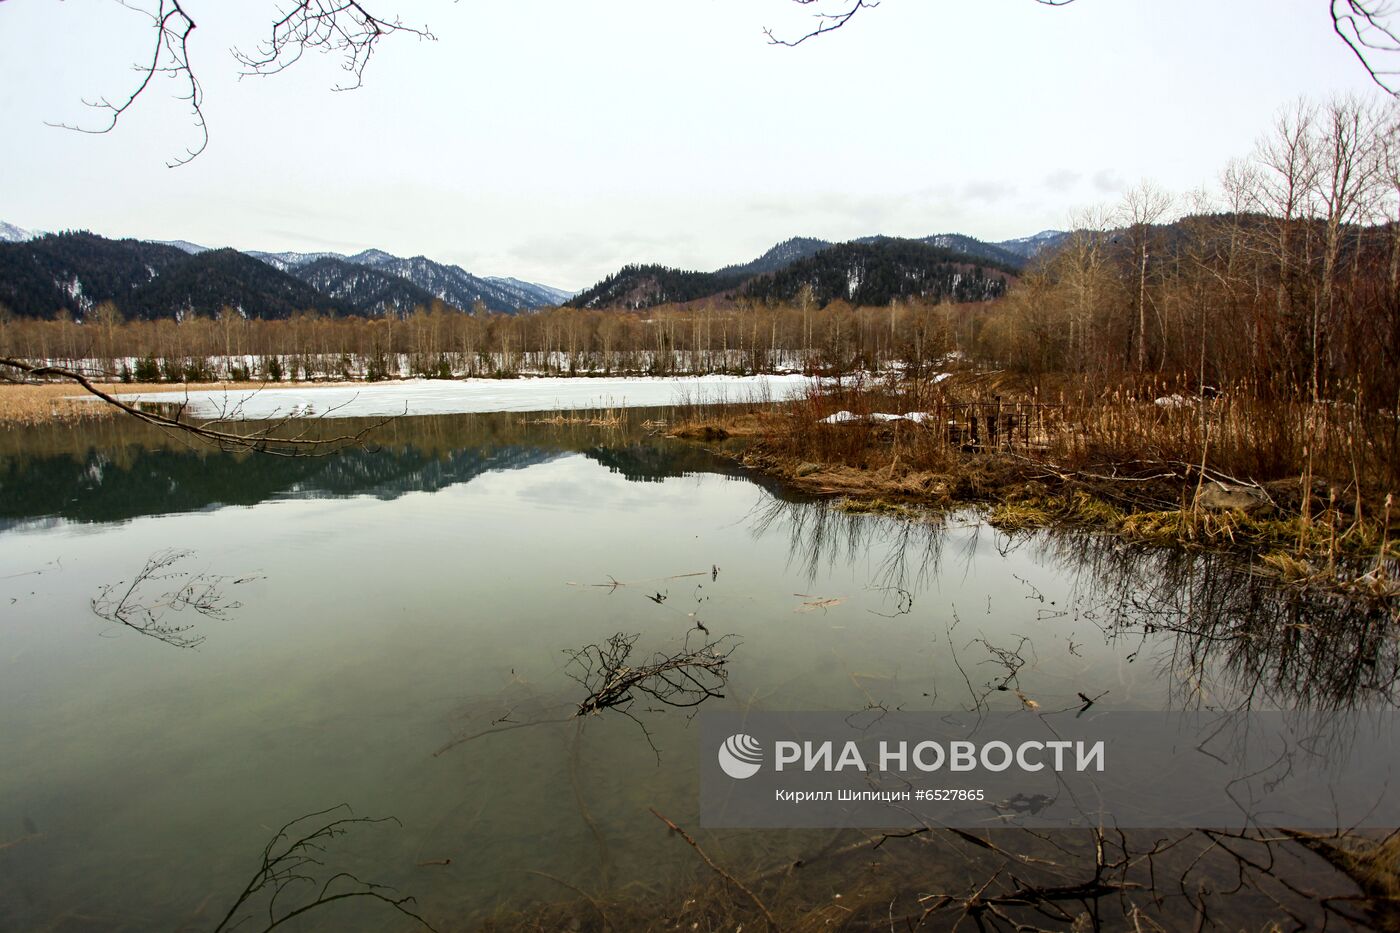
(73, 271)
(953, 267)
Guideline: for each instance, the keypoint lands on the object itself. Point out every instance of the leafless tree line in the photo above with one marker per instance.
(718, 336)
(1288, 277)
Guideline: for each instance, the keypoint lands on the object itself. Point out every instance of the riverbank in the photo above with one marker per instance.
(1284, 486)
(41, 403)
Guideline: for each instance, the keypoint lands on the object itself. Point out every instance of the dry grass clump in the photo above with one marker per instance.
(1314, 476)
(607, 418)
(41, 403)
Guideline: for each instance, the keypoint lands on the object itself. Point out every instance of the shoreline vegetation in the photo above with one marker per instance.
(1285, 486)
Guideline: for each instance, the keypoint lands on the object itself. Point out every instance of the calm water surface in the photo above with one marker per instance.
(393, 599)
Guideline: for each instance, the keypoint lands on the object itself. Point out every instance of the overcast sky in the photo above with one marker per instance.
(554, 140)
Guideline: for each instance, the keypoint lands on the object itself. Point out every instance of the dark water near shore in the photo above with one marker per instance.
(393, 598)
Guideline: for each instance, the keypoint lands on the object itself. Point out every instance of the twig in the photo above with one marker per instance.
(762, 908)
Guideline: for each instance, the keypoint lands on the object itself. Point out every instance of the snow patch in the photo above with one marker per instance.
(445, 397)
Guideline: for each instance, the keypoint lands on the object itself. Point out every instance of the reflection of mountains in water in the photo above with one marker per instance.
(118, 471)
(95, 488)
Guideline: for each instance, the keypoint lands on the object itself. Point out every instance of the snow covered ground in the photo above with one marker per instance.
(444, 397)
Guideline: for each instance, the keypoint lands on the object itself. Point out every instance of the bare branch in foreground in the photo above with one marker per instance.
(1364, 25)
(169, 57)
(340, 26)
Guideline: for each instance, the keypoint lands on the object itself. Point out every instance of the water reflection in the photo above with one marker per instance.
(390, 623)
(100, 472)
(1220, 635)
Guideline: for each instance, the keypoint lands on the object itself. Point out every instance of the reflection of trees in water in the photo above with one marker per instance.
(1240, 639)
(1234, 639)
(821, 537)
(101, 473)
(657, 459)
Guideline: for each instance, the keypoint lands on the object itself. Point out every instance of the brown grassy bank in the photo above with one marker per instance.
(41, 403)
(1305, 488)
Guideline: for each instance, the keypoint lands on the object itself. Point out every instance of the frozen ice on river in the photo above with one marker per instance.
(461, 396)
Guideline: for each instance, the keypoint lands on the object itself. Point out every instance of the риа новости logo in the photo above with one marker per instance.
(740, 756)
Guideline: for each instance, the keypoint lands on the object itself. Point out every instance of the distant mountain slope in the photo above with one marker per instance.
(639, 286)
(534, 294)
(185, 245)
(877, 272)
(220, 278)
(1031, 246)
(643, 286)
(784, 254)
(868, 271)
(9, 233)
(364, 290)
(450, 284)
(971, 246)
(73, 272)
(286, 262)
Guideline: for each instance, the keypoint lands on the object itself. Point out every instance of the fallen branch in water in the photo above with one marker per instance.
(748, 892)
(684, 679)
(289, 863)
(144, 612)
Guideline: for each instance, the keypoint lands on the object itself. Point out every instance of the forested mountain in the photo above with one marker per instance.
(645, 286)
(533, 294)
(73, 272)
(868, 271)
(450, 284)
(1029, 247)
(185, 245)
(784, 254)
(970, 246)
(875, 273)
(207, 282)
(637, 286)
(364, 290)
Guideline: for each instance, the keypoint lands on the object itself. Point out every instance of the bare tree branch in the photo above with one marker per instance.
(143, 611)
(826, 22)
(265, 439)
(345, 27)
(170, 56)
(292, 860)
(1364, 25)
(341, 26)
